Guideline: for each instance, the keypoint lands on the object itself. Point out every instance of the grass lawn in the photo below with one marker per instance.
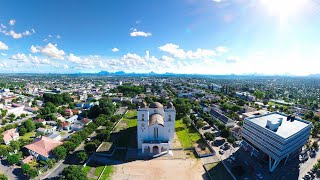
(107, 173)
(130, 118)
(187, 135)
(62, 133)
(27, 136)
(98, 171)
(86, 169)
(218, 171)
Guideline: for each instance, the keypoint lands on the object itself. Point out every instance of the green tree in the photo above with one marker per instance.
(13, 159)
(225, 133)
(15, 145)
(186, 120)
(28, 125)
(258, 94)
(90, 147)
(82, 156)
(22, 131)
(209, 136)
(60, 152)
(199, 124)
(73, 172)
(70, 146)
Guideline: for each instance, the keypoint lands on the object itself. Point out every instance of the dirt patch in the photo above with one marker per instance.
(160, 169)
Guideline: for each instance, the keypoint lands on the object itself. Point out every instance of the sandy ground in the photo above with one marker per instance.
(160, 169)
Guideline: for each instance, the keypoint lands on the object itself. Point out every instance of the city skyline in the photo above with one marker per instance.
(183, 37)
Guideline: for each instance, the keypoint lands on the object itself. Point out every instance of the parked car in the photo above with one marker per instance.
(221, 151)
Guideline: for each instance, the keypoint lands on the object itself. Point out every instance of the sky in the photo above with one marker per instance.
(269, 37)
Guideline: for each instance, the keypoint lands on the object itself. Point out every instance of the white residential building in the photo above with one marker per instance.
(275, 136)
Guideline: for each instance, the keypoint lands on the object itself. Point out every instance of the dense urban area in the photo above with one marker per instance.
(85, 126)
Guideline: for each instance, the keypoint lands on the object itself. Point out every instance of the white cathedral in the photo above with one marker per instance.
(155, 133)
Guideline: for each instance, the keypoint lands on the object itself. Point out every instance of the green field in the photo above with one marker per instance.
(98, 170)
(27, 136)
(130, 118)
(87, 169)
(218, 171)
(107, 173)
(187, 135)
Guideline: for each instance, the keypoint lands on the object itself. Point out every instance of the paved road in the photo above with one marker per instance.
(121, 110)
(13, 172)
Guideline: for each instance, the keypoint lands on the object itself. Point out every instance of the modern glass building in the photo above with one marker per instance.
(276, 135)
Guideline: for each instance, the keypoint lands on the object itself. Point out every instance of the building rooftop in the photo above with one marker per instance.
(286, 129)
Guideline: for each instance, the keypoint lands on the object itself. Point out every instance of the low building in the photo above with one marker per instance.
(274, 136)
(10, 135)
(55, 136)
(41, 148)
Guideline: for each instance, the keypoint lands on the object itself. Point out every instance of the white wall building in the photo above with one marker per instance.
(155, 133)
(275, 135)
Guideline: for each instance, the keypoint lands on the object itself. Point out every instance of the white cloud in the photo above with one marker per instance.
(12, 22)
(3, 54)
(58, 36)
(74, 58)
(52, 51)
(14, 34)
(114, 49)
(20, 57)
(221, 49)
(3, 46)
(65, 66)
(136, 33)
(177, 52)
(3, 26)
(233, 59)
(217, 1)
(3, 64)
(34, 49)
(166, 58)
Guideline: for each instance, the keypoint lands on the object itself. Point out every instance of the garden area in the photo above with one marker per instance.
(93, 173)
(190, 137)
(217, 171)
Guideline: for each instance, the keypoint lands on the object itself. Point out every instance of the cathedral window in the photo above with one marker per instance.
(169, 117)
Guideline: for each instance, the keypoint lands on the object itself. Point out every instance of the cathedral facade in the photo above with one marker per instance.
(155, 133)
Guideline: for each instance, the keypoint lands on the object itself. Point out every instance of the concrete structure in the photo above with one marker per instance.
(275, 135)
(155, 128)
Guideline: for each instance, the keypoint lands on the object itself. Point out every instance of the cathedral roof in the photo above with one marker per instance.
(156, 118)
(155, 105)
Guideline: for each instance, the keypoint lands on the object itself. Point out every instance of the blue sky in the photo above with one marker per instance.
(180, 36)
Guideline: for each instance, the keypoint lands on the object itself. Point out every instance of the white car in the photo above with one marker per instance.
(221, 151)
